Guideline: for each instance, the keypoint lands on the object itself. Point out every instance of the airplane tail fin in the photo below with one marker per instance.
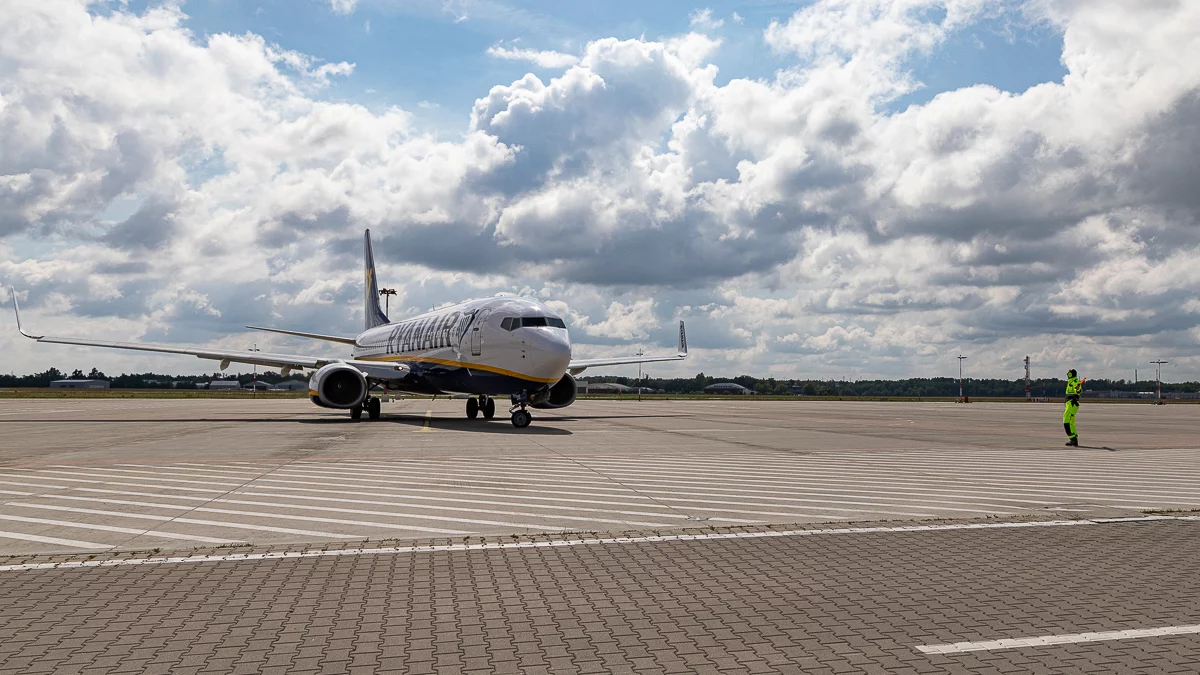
(371, 309)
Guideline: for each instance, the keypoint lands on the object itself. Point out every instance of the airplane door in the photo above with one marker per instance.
(477, 333)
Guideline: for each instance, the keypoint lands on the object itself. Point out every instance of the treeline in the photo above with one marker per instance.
(142, 380)
(914, 387)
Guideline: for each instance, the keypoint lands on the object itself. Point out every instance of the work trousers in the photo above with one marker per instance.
(1069, 418)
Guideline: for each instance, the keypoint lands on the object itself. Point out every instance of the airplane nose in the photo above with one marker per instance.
(554, 353)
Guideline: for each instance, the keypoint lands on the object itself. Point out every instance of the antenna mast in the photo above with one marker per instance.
(1158, 364)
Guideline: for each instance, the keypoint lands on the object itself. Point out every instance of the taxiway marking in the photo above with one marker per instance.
(721, 536)
(103, 528)
(1047, 640)
(73, 543)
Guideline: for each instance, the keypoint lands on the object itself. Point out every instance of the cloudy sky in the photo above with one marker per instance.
(833, 189)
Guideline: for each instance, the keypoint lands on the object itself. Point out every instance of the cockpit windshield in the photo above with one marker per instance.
(514, 323)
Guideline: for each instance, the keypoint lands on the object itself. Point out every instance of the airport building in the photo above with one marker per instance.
(79, 384)
(732, 388)
(225, 385)
(292, 385)
(584, 387)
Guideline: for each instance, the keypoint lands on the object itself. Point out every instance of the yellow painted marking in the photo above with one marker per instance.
(428, 416)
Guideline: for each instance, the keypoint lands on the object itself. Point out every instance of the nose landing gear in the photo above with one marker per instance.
(520, 416)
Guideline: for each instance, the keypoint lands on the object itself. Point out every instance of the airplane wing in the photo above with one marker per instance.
(311, 336)
(286, 362)
(577, 366)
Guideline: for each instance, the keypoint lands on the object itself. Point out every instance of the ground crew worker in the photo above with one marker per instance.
(1074, 389)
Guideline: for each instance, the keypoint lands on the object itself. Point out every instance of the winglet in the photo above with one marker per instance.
(682, 340)
(17, 309)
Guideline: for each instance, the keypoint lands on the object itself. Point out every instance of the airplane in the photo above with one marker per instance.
(501, 346)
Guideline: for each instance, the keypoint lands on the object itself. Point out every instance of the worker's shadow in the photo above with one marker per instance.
(1097, 447)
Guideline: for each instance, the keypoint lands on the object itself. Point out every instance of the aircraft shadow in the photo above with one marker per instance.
(495, 426)
(573, 418)
(151, 420)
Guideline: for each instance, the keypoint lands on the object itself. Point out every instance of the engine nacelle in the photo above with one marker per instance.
(338, 385)
(561, 395)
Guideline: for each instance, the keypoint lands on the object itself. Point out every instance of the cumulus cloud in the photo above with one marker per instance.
(703, 19)
(343, 6)
(801, 226)
(541, 59)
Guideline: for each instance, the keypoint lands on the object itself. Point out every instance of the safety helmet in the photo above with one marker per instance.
(1072, 373)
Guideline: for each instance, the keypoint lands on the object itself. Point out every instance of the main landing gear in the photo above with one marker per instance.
(520, 416)
(371, 406)
(483, 404)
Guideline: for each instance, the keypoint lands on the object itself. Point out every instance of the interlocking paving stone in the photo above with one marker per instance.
(852, 603)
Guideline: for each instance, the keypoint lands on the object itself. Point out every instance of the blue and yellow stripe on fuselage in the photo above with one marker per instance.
(434, 375)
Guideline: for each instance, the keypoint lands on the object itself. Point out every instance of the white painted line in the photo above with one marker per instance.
(155, 477)
(373, 502)
(238, 473)
(474, 521)
(1007, 480)
(1045, 640)
(107, 528)
(106, 482)
(15, 492)
(632, 493)
(646, 500)
(553, 501)
(1115, 475)
(419, 501)
(828, 495)
(214, 523)
(393, 514)
(243, 557)
(279, 516)
(73, 543)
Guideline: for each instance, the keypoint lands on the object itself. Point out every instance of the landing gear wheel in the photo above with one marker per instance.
(472, 408)
(373, 408)
(356, 413)
(521, 419)
(489, 408)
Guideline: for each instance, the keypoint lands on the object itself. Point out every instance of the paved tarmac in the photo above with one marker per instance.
(103, 475)
(753, 537)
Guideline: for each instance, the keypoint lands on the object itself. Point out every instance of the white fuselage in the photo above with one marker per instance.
(491, 346)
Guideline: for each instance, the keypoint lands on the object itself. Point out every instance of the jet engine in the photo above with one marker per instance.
(561, 395)
(338, 385)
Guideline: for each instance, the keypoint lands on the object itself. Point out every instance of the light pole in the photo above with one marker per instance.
(960, 387)
(254, 378)
(639, 376)
(387, 293)
(1158, 364)
(1028, 392)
